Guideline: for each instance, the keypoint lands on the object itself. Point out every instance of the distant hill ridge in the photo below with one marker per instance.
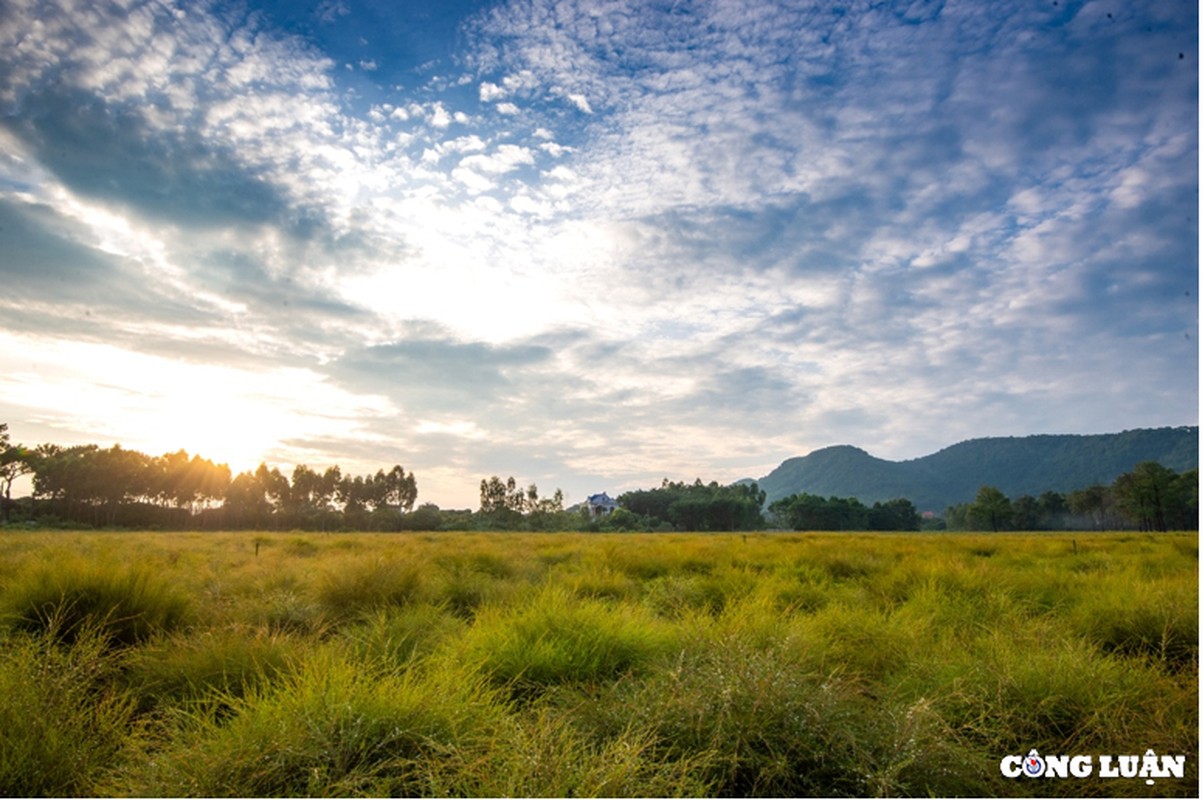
(1015, 465)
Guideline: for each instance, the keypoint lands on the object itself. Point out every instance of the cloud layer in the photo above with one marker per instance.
(607, 242)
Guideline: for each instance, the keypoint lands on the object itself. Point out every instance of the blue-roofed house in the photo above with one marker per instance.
(599, 505)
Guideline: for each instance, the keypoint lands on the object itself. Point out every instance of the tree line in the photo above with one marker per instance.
(693, 506)
(505, 505)
(1151, 497)
(118, 487)
(808, 512)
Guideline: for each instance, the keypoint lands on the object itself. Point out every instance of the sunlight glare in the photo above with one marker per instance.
(156, 405)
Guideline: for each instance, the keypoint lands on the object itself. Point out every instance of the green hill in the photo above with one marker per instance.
(1016, 465)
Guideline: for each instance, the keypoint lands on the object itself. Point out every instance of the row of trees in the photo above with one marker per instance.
(691, 507)
(90, 485)
(808, 512)
(506, 506)
(115, 486)
(1151, 497)
(325, 500)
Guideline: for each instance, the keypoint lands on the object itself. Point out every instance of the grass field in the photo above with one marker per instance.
(254, 664)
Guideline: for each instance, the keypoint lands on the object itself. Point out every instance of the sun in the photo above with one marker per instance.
(223, 422)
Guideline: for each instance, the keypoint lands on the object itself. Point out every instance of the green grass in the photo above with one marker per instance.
(177, 670)
(67, 595)
(351, 585)
(554, 637)
(260, 664)
(331, 728)
(64, 721)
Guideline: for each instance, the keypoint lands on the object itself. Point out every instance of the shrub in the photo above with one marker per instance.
(603, 583)
(675, 595)
(640, 562)
(301, 547)
(568, 665)
(861, 641)
(467, 581)
(752, 719)
(463, 594)
(803, 598)
(289, 612)
(1031, 687)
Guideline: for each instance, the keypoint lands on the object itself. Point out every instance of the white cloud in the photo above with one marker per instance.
(505, 158)
(459, 428)
(440, 118)
(525, 204)
(490, 91)
(521, 81)
(580, 101)
(555, 149)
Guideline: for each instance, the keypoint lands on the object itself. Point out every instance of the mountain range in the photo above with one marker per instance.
(1015, 465)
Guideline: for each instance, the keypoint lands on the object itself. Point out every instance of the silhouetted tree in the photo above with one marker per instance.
(246, 503)
(15, 461)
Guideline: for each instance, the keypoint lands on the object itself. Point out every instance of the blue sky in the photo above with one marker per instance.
(593, 244)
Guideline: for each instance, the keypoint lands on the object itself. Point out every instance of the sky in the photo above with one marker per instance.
(593, 244)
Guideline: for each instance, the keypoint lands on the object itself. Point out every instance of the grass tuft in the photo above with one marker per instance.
(124, 604)
(180, 669)
(558, 638)
(352, 587)
(544, 754)
(1149, 619)
(330, 729)
(62, 725)
(392, 638)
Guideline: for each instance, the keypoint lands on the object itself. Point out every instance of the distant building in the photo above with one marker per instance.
(599, 505)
